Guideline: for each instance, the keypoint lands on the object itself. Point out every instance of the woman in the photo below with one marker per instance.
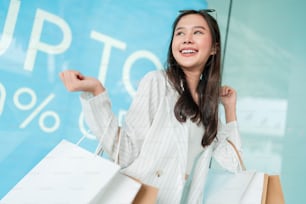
(173, 116)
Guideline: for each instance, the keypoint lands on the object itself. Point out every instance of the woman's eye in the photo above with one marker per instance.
(179, 33)
(198, 32)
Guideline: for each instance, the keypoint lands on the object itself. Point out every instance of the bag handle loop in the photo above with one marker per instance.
(238, 154)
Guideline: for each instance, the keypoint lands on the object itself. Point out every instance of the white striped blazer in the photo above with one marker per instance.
(154, 144)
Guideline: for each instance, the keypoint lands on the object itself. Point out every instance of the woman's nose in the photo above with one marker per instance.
(188, 39)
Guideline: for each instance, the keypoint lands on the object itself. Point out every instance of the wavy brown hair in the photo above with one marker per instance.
(206, 111)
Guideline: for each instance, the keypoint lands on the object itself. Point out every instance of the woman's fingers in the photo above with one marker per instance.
(227, 95)
(226, 91)
(72, 80)
(75, 81)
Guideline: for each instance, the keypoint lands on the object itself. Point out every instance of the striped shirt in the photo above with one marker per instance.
(154, 146)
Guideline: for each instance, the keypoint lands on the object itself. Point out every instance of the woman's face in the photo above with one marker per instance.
(192, 42)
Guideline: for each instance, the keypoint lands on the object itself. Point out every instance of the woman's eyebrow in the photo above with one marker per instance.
(194, 27)
(179, 28)
(201, 27)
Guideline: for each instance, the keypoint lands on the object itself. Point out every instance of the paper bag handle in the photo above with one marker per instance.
(238, 154)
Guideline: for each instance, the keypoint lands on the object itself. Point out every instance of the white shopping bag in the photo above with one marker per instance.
(223, 187)
(246, 187)
(70, 174)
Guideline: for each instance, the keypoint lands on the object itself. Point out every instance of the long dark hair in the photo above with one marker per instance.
(206, 111)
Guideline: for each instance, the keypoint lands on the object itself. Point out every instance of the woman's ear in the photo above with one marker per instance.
(214, 49)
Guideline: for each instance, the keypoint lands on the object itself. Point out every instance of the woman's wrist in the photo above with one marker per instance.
(230, 113)
(99, 88)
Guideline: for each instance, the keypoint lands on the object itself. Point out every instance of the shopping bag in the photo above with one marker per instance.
(71, 174)
(274, 192)
(146, 195)
(244, 187)
(263, 188)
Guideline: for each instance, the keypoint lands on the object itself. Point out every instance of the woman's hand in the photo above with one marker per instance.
(228, 96)
(75, 81)
(228, 99)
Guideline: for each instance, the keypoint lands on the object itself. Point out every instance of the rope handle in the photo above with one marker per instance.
(238, 154)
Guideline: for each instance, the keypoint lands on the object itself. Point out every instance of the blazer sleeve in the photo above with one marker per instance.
(138, 119)
(223, 152)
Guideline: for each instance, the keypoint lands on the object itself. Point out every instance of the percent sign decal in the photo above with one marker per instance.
(37, 110)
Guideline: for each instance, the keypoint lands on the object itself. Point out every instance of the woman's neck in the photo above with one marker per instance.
(193, 79)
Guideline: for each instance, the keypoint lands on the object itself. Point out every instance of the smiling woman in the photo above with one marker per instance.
(173, 116)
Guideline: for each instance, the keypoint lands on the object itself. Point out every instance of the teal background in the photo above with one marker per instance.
(266, 62)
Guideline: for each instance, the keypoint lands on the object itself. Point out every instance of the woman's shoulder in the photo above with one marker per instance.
(156, 74)
(158, 77)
